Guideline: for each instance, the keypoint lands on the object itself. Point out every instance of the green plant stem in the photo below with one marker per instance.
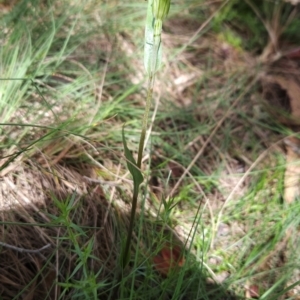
(145, 120)
(139, 164)
(151, 78)
(130, 229)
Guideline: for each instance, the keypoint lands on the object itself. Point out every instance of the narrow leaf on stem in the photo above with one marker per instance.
(137, 180)
(132, 166)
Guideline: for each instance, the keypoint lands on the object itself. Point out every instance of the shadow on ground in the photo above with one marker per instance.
(82, 238)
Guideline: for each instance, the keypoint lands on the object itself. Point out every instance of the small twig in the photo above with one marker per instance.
(110, 183)
(22, 250)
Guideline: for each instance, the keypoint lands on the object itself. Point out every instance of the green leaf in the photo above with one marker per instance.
(132, 166)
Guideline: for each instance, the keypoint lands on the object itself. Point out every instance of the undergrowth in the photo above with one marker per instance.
(71, 76)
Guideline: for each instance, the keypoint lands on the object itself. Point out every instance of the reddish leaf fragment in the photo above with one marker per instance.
(295, 53)
(175, 169)
(254, 291)
(169, 258)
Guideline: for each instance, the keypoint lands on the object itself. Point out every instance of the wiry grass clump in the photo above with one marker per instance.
(71, 76)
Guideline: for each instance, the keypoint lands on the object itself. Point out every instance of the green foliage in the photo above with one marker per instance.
(132, 166)
(231, 37)
(241, 18)
(137, 180)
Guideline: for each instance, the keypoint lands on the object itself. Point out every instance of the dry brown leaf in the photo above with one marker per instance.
(293, 2)
(292, 88)
(292, 172)
(281, 88)
(282, 95)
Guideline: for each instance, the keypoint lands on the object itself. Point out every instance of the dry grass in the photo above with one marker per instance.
(214, 151)
(35, 276)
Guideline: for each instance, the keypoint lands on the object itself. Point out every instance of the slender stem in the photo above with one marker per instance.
(130, 229)
(153, 68)
(145, 120)
(139, 164)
